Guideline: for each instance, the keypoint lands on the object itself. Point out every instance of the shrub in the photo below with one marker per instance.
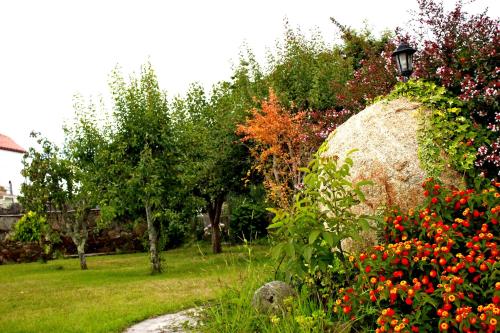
(461, 52)
(31, 228)
(438, 270)
(311, 233)
(34, 228)
(249, 220)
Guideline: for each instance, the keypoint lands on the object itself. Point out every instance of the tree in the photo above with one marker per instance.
(143, 160)
(374, 73)
(56, 186)
(215, 162)
(302, 71)
(280, 147)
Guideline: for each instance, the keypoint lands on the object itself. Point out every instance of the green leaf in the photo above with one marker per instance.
(290, 249)
(429, 300)
(275, 225)
(364, 183)
(328, 237)
(308, 250)
(313, 235)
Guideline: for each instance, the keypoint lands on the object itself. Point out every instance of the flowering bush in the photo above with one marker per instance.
(439, 269)
(461, 52)
(455, 50)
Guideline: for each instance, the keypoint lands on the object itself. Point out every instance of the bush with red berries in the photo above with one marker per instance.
(438, 270)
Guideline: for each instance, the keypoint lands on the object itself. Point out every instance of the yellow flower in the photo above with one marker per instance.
(275, 320)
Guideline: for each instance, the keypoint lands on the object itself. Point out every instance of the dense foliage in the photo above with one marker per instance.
(143, 157)
(461, 52)
(307, 100)
(59, 186)
(447, 136)
(214, 162)
(249, 217)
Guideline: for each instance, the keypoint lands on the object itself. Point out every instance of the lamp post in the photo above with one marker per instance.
(404, 59)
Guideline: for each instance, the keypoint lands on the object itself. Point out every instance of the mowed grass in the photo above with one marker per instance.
(117, 291)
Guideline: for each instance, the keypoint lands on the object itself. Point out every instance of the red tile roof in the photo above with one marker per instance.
(7, 143)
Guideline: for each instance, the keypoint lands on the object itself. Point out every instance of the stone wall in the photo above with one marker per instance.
(7, 224)
(117, 237)
(12, 252)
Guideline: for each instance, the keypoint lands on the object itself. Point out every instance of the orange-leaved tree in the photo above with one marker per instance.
(280, 143)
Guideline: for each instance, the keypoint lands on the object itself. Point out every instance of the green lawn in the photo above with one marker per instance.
(116, 291)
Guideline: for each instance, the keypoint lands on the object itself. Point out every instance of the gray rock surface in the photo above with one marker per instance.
(385, 135)
(169, 323)
(269, 298)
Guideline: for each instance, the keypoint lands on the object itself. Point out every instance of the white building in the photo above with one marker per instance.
(11, 155)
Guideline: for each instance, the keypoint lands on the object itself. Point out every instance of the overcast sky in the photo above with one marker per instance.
(50, 50)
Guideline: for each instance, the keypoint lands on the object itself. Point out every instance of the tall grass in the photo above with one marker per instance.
(232, 311)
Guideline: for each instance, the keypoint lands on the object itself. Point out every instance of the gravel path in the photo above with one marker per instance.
(169, 323)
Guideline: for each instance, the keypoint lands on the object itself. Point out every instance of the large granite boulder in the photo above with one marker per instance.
(269, 298)
(385, 135)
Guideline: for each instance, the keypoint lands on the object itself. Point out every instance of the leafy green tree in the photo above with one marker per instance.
(302, 72)
(143, 163)
(215, 161)
(56, 186)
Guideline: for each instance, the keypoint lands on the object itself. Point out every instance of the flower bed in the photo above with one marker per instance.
(439, 269)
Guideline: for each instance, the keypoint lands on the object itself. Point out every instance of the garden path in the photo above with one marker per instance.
(178, 322)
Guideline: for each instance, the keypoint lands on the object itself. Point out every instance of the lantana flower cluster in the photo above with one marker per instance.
(438, 270)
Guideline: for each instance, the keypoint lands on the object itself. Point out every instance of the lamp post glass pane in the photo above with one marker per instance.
(403, 64)
(410, 62)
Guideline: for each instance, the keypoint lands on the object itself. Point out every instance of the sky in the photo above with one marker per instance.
(52, 50)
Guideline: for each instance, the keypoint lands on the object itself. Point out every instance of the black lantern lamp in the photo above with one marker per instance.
(404, 59)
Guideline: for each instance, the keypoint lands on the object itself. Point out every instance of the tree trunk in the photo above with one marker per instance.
(153, 243)
(76, 227)
(81, 254)
(214, 213)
